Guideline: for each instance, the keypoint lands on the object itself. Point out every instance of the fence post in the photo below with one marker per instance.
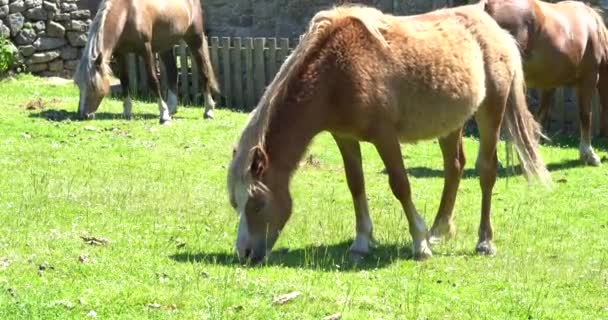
(238, 73)
(132, 71)
(260, 68)
(560, 104)
(250, 91)
(215, 62)
(225, 49)
(183, 58)
(272, 60)
(196, 85)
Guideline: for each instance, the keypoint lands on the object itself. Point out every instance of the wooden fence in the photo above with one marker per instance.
(245, 66)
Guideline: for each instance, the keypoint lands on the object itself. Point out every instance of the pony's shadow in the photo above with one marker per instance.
(333, 257)
(64, 115)
(511, 171)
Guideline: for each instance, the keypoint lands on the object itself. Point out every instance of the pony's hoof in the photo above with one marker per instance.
(485, 248)
(442, 232)
(423, 251)
(357, 257)
(591, 160)
(209, 115)
(165, 122)
(127, 117)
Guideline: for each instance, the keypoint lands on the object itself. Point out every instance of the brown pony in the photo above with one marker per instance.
(143, 27)
(366, 76)
(562, 44)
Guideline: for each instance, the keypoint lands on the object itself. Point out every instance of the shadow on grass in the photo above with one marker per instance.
(423, 172)
(64, 115)
(334, 257)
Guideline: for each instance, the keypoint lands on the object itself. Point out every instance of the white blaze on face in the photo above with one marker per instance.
(241, 196)
(82, 103)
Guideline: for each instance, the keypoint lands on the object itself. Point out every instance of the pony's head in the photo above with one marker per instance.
(260, 195)
(93, 80)
(93, 72)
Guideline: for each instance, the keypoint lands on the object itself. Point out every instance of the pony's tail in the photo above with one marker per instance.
(602, 32)
(208, 69)
(525, 132)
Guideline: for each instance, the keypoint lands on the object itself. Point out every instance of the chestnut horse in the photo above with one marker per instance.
(143, 27)
(366, 76)
(562, 44)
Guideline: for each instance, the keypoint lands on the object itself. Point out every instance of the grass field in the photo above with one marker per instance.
(157, 195)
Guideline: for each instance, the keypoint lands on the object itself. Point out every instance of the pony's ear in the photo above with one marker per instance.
(259, 162)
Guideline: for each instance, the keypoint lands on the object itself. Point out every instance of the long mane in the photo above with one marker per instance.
(320, 27)
(85, 72)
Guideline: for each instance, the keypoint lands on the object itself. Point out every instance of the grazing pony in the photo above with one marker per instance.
(143, 27)
(562, 44)
(366, 76)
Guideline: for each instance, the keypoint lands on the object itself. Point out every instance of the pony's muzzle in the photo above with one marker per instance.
(250, 253)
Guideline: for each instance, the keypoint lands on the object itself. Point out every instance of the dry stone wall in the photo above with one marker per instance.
(49, 34)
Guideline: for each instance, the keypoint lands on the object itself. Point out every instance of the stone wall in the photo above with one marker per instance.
(287, 18)
(49, 34)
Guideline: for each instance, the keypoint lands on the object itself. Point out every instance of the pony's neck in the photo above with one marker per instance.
(291, 129)
(112, 28)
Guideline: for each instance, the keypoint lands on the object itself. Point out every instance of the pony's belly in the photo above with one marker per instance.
(433, 121)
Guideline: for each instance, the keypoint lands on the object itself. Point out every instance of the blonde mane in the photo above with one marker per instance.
(320, 27)
(85, 72)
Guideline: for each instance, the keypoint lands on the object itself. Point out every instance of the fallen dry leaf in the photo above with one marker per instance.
(5, 263)
(153, 305)
(94, 241)
(90, 128)
(82, 301)
(335, 316)
(26, 135)
(83, 258)
(283, 299)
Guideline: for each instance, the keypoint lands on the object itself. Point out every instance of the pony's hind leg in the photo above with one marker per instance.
(199, 51)
(602, 88)
(547, 96)
(150, 60)
(489, 134)
(453, 164)
(351, 155)
(389, 149)
(125, 88)
(585, 93)
(168, 59)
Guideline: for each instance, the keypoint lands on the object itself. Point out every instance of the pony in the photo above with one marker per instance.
(143, 27)
(562, 44)
(367, 76)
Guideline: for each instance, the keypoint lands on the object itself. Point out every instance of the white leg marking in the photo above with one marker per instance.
(172, 102)
(364, 238)
(209, 106)
(587, 155)
(127, 108)
(418, 231)
(164, 111)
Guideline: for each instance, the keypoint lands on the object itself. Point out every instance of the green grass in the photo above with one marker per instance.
(158, 194)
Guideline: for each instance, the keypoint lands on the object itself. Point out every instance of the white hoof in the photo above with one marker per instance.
(590, 159)
(422, 251)
(485, 248)
(442, 232)
(209, 115)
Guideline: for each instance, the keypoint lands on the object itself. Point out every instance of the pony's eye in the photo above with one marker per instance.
(255, 205)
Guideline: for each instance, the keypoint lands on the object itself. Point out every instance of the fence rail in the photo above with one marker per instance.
(245, 66)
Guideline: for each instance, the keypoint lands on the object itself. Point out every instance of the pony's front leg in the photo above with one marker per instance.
(168, 60)
(351, 155)
(585, 93)
(389, 149)
(125, 88)
(453, 166)
(150, 60)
